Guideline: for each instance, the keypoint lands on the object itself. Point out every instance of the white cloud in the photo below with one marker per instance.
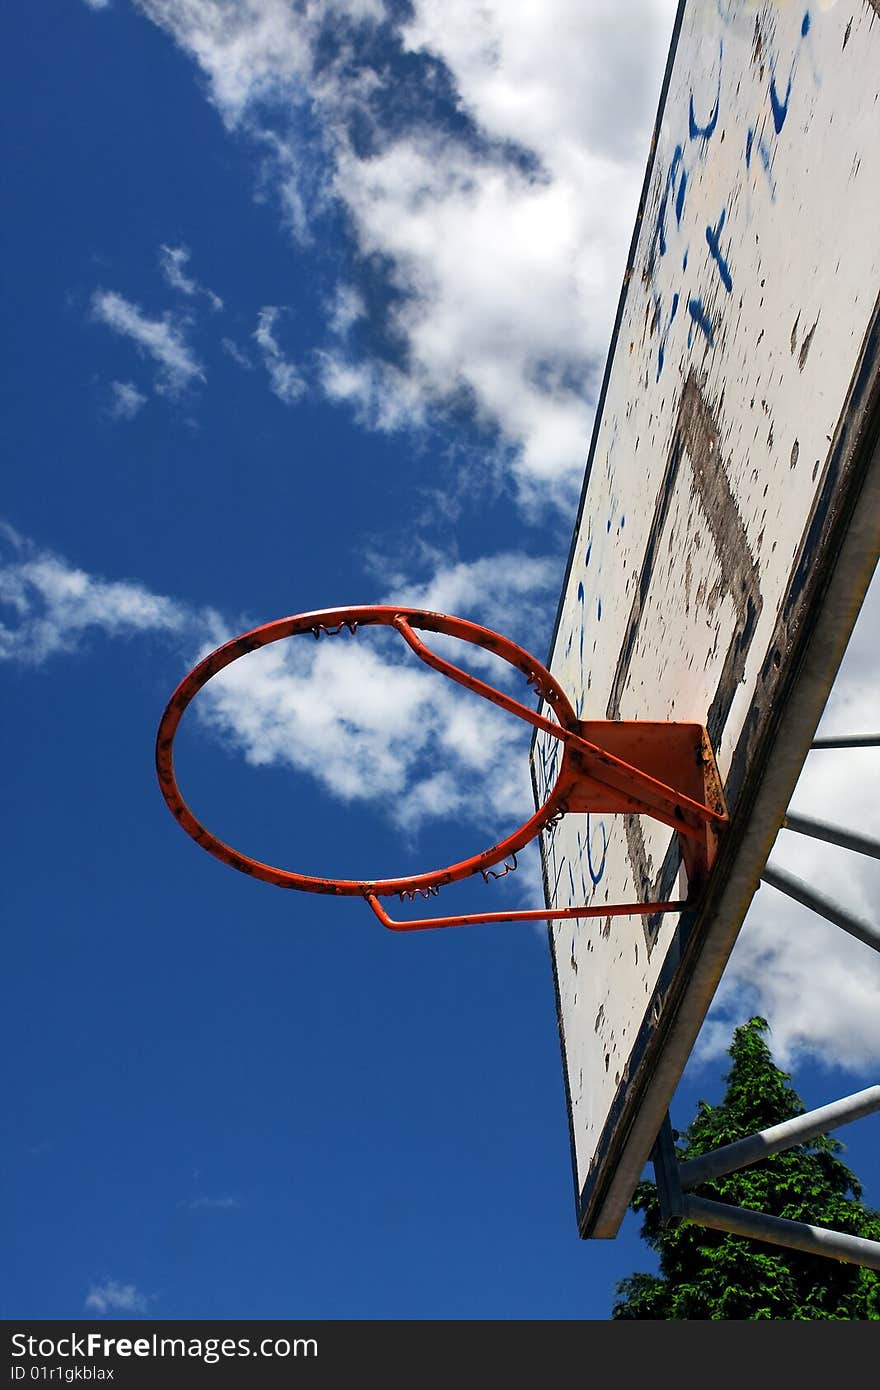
(240, 358)
(251, 51)
(98, 4)
(48, 604)
(365, 726)
(284, 379)
(162, 339)
(116, 1297)
(126, 400)
(364, 718)
(369, 722)
(854, 704)
(382, 397)
(503, 233)
(574, 78)
(346, 308)
(486, 261)
(255, 51)
(509, 591)
(372, 725)
(818, 986)
(173, 261)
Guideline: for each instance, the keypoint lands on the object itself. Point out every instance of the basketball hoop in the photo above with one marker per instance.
(662, 770)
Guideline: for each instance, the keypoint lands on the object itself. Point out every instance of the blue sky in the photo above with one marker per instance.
(308, 306)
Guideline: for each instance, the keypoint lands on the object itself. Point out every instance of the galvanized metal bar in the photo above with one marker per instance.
(740, 1154)
(834, 834)
(775, 1230)
(848, 741)
(817, 902)
(666, 1175)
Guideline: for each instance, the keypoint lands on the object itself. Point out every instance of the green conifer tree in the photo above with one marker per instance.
(709, 1274)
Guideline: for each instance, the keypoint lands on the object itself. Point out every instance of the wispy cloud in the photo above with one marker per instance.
(369, 723)
(48, 605)
(361, 717)
(161, 339)
(173, 261)
(240, 358)
(115, 1297)
(370, 726)
(500, 232)
(284, 379)
(98, 4)
(345, 309)
(126, 400)
(509, 590)
(381, 395)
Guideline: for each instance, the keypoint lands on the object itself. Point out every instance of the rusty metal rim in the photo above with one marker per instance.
(332, 621)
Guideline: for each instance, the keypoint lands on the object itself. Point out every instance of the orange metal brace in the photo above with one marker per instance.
(539, 914)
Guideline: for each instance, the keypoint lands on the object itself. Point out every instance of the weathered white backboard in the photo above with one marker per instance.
(728, 526)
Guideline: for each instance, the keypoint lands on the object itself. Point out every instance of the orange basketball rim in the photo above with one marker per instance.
(664, 770)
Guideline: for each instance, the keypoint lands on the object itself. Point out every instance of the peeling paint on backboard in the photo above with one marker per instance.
(719, 475)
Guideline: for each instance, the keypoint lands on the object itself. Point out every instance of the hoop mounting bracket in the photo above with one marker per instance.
(620, 767)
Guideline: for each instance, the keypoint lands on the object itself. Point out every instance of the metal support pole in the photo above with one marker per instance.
(831, 911)
(666, 1176)
(796, 1235)
(848, 741)
(678, 1204)
(777, 1137)
(833, 834)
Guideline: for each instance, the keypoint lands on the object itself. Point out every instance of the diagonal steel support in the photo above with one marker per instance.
(678, 1204)
(775, 1230)
(848, 741)
(825, 907)
(776, 1138)
(831, 834)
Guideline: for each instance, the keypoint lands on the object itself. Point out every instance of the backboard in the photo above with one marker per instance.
(728, 527)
